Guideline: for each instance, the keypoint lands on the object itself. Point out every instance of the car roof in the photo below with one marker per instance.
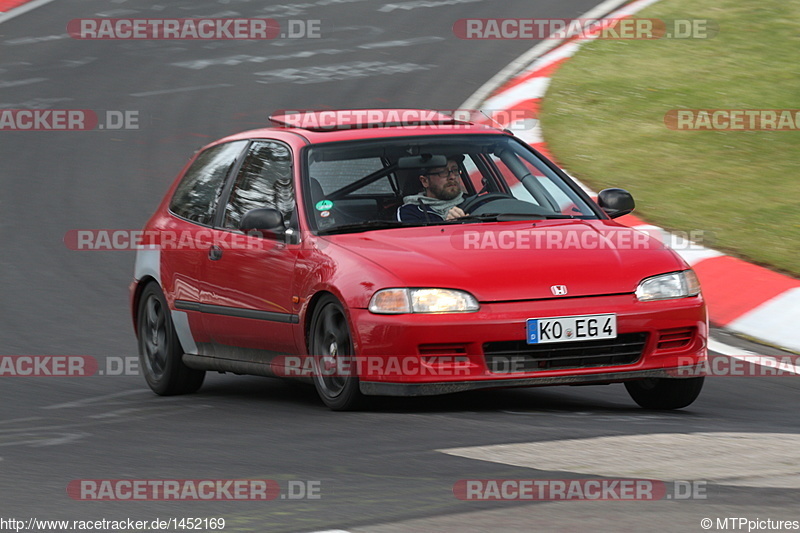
(331, 125)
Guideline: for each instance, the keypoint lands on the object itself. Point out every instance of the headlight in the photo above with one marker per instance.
(395, 301)
(668, 286)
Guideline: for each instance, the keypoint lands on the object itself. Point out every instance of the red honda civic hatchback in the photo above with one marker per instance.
(404, 252)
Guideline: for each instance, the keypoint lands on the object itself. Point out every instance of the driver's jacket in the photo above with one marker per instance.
(419, 213)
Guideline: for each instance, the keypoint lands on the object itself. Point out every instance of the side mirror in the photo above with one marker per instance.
(263, 222)
(615, 202)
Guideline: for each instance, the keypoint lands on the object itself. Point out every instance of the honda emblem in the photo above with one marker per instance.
(558, 290)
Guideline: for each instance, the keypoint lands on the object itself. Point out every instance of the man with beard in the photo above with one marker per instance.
(441, 198)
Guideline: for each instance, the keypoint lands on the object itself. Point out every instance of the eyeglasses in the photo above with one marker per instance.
(445, 173)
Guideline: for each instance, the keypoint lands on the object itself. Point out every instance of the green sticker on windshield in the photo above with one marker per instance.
(324, 205)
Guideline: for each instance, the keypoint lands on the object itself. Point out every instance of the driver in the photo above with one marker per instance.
(441, 197)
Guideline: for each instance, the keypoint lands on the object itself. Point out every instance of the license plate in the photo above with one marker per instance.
(571, 328)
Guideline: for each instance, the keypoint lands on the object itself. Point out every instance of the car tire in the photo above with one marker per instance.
(665, 393)
(330, 344)
(160, 351)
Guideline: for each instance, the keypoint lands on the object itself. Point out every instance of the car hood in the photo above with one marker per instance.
(517, 260)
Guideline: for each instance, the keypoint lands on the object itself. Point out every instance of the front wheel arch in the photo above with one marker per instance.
(331, 345)
(308, 315)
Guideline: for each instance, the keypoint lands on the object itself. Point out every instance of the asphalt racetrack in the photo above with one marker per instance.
(392, 468)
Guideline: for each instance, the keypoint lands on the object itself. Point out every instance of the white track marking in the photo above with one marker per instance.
(33, 40)
(239, 59)
(401, 42)
(776, 320)
(92, 399)
(17, 11)
(17, 83)
(414, 4)
(38, 440)
(16, 420)
(182, 89)
(738, 459)
(725, 349)
(528, 90)
(342, 71)
(750, 357)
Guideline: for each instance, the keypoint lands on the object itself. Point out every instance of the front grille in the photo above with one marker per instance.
(518, 356)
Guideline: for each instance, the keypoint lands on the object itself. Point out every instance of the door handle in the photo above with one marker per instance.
(215, 253)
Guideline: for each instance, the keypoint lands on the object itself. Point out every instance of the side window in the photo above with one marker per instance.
(198, 192)
(553, 194)
(265, 180)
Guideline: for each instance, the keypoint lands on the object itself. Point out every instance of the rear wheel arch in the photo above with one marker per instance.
(160, 350)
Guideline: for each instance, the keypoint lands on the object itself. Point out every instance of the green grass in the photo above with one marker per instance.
(603, 119)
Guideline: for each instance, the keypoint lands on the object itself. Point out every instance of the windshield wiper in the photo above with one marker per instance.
(508, 217)
(369, 226)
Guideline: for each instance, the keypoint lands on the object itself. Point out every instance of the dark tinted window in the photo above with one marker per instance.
(264, 180)
(198, 192)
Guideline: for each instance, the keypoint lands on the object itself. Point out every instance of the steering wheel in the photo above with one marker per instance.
(477, 201)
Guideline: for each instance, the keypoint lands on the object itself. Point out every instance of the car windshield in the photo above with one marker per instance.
(364, 185)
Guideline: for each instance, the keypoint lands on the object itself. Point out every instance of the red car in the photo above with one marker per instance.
(326, 248)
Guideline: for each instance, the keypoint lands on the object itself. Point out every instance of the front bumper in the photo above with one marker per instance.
(449, 348)
(376, 388)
